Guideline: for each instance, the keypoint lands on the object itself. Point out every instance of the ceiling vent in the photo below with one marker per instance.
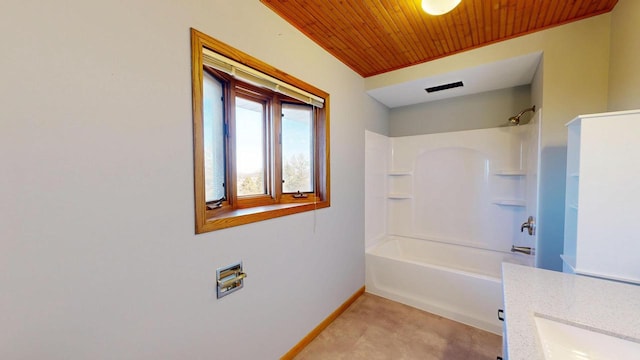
(444, 87)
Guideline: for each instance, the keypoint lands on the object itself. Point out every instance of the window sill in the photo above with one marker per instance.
(254, 214)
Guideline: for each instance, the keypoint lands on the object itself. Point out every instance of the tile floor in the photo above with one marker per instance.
(376, 328)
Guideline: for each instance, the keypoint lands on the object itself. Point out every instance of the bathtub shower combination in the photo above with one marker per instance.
(442, 212)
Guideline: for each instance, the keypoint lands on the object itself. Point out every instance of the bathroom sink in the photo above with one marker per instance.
(568, 342)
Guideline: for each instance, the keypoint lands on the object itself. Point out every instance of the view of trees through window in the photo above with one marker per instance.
(297, 145)
(250, 149)
(261, 139)
(297, 148)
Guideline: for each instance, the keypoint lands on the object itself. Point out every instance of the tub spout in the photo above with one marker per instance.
(522, 249)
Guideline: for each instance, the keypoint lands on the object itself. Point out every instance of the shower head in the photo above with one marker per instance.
(515, 120)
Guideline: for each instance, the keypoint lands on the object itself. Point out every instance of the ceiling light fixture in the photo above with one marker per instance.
(439, 7)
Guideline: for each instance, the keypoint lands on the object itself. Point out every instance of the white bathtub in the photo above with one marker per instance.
(419, 273)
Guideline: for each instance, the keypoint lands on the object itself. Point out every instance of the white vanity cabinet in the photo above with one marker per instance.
(602, 214)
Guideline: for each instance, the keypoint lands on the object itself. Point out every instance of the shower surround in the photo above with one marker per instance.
(442, 212)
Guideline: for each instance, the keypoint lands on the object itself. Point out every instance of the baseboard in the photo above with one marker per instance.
(318, 329)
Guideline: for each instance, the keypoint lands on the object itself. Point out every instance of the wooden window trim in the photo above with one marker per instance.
(228, 216)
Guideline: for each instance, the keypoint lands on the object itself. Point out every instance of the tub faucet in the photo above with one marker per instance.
(522, 249)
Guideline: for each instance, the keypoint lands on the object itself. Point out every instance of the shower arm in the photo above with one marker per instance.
(532, 109)
(515, 120)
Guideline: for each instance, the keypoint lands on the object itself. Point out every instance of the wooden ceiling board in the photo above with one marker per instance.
(377, 36)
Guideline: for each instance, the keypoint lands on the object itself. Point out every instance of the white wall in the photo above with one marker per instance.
(98, 254)
(372, 114)
(624, 71)
(476, 111)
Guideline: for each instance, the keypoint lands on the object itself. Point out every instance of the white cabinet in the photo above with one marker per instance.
(602, 234)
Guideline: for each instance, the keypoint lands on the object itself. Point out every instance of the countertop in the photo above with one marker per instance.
(606, 306)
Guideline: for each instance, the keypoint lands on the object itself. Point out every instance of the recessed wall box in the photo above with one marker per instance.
(229, 279)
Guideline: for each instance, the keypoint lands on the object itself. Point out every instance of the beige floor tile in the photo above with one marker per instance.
(374, 328)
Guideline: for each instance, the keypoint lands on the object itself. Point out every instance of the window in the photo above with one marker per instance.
(297, 148)
(261, 139)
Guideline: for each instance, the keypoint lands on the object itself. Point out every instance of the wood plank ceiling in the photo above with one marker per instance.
(377, 36)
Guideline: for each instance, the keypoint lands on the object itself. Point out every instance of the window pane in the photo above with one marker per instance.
(213, 127)
(297, 148)
(250, 147)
